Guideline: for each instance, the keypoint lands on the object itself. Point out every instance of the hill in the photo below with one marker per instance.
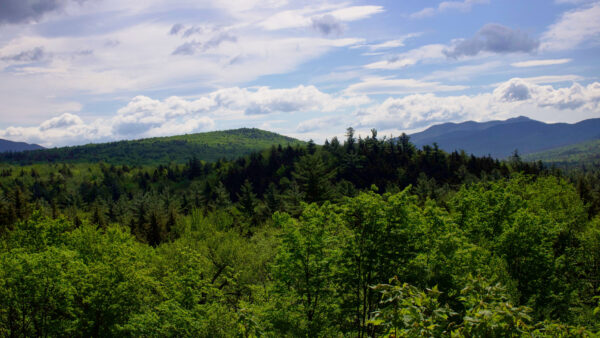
(585, 153)
(10, 146)
(501, 138)
(209, 146)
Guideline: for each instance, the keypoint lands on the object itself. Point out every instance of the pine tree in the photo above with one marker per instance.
(247, 199)
(313, 178)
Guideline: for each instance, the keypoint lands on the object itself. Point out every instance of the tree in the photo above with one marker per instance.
(303, 268)
(313, 178)
(247, 199)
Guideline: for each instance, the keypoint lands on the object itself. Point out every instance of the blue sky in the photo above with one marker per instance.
(80, 71)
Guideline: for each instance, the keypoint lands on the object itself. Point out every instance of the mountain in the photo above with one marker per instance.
(209, 146)
(8, 146)
(501, 138)
(585, 153)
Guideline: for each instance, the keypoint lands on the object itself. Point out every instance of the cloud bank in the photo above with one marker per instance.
(146, 117)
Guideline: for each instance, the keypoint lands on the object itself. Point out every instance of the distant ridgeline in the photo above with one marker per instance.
(501, 138)
(10, 146)
(209, 146)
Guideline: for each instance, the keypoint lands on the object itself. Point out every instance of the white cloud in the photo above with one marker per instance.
(128, 54)
(537, 63)
(62, 121)
(463, 6)
(320, 123)
(388, 85)
(573, 29)
(305, 17)
(354, 13)
(553, 79)
(388, 44)
(420, 110)
(146, 117)
(511, 98)
(464, 72)
(286, 19)
(265, 100)
(574, 97)
(545, 79)
(410, 58)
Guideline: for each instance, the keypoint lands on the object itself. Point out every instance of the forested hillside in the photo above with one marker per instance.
(580, 154)
(210, 146)
(362, 237)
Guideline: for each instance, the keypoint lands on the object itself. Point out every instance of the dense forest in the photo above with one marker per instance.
(364, 237)
(585, 154)
(210, 146)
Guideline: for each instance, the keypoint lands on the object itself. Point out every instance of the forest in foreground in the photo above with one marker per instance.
(364, 237)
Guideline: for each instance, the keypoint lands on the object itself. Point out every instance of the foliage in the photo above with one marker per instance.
(210, 146)
(584, 153)
(300, 241)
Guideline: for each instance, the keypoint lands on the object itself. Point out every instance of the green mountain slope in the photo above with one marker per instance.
(209, 146)
(584, 153)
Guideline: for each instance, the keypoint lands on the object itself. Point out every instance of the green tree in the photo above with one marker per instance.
(314, 178)
(303, 268)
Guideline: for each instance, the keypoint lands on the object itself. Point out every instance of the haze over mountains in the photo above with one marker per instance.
(496, 138)
(501, 138)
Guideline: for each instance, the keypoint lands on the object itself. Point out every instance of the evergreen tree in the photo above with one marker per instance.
(247, 199)
(313, 178)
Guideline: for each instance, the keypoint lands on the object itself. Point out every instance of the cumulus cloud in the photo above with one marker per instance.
(574, 97)
(463, 6)
(573, 28)
(319, 123)
(546, 79)
(32, 55)
(265, 100)
(511, 98)
(418, 110)
(62, 121)
(493, 38)
(146, 117)
(514, 90)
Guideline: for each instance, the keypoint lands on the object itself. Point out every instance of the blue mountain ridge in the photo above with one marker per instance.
(500, 139)
(10, 146)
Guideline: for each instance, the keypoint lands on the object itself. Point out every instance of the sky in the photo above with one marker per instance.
(88, 71)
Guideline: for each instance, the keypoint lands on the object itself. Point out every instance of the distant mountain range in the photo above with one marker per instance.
(501, 138)
(210, 146)
(557, 142)
(7, 146)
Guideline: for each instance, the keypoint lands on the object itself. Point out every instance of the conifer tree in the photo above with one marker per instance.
(313, 178)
